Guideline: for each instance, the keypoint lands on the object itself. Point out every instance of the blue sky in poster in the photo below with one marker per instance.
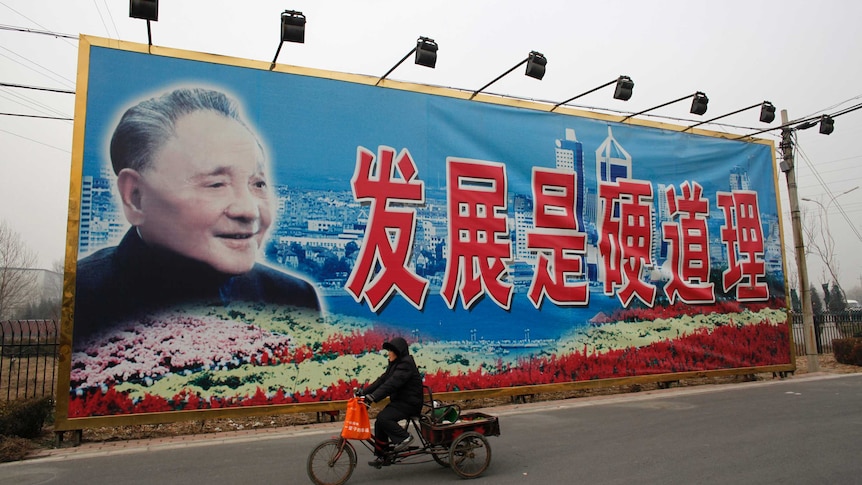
(313, 127)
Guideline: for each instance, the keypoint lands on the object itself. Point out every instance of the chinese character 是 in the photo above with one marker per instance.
(556, 238)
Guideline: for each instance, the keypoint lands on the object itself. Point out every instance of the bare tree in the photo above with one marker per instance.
(16, 284)
(821, 243)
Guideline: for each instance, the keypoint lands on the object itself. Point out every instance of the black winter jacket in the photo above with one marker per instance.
(401, 381)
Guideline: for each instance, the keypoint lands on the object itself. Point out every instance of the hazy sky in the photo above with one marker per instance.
(802, 56)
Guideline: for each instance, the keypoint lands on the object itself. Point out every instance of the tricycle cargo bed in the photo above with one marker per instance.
(441, 434)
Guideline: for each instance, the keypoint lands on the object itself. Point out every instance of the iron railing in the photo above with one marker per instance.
(28, 358)
(827, 327)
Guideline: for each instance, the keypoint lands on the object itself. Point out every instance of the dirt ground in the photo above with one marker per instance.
(107, 434)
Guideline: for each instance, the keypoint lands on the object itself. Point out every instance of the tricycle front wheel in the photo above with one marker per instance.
(470, 455)
(331, 462)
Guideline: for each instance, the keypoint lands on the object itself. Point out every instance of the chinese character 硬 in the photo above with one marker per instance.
(625, 239)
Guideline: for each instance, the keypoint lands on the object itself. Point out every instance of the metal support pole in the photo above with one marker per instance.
(789, 169)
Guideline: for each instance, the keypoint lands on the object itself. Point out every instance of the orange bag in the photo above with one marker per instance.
(356, 423)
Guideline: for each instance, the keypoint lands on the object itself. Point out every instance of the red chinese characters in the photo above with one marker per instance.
(688, 246)
(742, 235)
(625, 239)
(381, 267)
(556, 238)
(479, 245)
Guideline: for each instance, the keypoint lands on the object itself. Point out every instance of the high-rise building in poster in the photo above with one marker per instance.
(570, 156)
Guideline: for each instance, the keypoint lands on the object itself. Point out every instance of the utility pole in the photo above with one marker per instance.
(789, 169)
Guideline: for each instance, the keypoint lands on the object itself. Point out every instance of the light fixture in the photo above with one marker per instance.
(147, 10)
(698, 105)
(827, 125)
(292, 30)
(767, 114)
(535, 62)
(623, 90)
(426, 55)
(144, 9)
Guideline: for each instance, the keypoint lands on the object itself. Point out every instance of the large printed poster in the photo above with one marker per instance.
(251, 238)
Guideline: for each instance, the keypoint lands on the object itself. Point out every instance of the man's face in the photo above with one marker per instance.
(206, 194)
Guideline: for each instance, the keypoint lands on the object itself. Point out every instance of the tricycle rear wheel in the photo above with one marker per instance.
(470, 455)
(331, 462)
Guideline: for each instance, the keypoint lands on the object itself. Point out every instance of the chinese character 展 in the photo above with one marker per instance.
(479, 245)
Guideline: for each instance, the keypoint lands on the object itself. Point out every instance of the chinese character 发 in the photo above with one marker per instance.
(381, 266)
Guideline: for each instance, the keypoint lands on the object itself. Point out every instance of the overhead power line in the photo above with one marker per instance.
(37, 31)
(828, 190)
(53, 90)
(37, 116)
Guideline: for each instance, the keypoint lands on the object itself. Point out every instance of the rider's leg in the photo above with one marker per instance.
(386, 428)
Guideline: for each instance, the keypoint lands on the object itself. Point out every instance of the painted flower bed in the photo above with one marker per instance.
(726, 346)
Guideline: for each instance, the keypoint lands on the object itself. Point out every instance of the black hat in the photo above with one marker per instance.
(397, 345)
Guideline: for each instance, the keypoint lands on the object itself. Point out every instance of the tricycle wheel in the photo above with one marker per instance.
(331, 462)
(470, 455)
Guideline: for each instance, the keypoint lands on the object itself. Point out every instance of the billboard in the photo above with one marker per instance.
(244, 240)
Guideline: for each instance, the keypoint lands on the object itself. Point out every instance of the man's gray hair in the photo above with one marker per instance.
(147, 126)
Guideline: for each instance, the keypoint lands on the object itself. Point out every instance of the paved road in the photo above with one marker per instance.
(805, 429)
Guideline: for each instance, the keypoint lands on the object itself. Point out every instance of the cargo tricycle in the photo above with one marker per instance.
(452, 439)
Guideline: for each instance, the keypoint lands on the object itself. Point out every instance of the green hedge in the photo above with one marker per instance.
(24, 418)
(848, 350)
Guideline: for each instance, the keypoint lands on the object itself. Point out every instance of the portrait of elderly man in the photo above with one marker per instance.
(193, 183)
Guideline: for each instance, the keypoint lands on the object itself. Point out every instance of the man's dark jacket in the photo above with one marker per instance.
(401, 381)
(133, 279)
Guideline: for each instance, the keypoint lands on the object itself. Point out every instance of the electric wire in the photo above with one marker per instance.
(23, 86)
(67, 82)
(36, 141)
(29, 103)
(817, 113)
(36, 116)
(99, 11)
(37, 31)
(111, 16)
(828, 191)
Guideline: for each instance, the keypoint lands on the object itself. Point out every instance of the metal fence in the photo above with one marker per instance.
(28, 358)
(827, 327)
